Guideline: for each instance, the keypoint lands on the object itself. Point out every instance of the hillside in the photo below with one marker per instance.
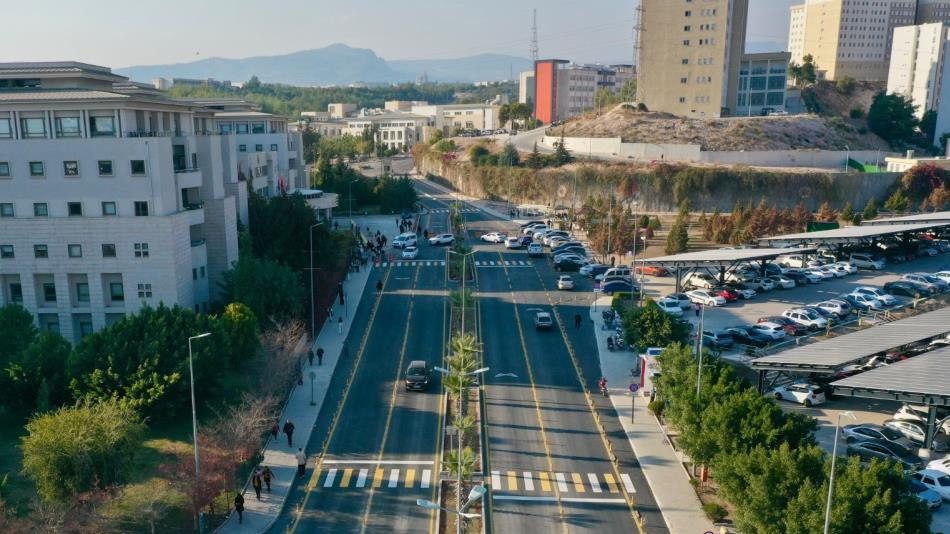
(732, 133)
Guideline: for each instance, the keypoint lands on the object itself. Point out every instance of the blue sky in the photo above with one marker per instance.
(116, 33)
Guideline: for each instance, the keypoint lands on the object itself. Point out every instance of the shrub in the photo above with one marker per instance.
(656, 407)
(715, 512)
(856, 113)
(846, 85)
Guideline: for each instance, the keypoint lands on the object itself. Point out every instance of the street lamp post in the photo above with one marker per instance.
(834, 455)
(313, 331)
(847, 157)
(194, 418)
(699, 350)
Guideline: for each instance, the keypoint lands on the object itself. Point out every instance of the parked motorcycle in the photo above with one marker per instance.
(610, 343)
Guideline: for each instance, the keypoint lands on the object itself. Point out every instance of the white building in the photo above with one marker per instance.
(796, 33)
(916, 68)
(448, 117)
(113, 196)
(396, 131)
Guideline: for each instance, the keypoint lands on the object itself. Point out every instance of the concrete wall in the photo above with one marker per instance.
(819, 159)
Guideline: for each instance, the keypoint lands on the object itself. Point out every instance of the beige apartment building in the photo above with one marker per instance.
(690, 53)
(854, 37)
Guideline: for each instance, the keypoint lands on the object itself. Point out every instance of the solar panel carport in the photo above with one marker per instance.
(848, 234)
(718, 259)
(920, 218)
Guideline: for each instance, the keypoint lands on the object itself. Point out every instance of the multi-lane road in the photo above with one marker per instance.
(556, 460)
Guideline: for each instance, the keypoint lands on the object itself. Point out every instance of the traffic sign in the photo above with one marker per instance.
(634, 387)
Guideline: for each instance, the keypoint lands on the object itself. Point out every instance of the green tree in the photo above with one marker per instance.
(280, 229)
(847, 213)
(273, 292)
(509, 156)
(535, 159)
(804, 74)
(72, 449)
(655, 223)
(436, 136)
(561, 155)
(892, 117)
(845, 85)
(870, 210)
(897, 202)
(252, 84)
(678, 239)
(240, 333)
(396, 194)
(16, 330)
(36, 378)
(928, 126)
(650, 326)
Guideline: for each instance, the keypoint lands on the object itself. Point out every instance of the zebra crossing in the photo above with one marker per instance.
(372, 477)
(503, 263)
(447, 210)
(565, 483)
(441, 263)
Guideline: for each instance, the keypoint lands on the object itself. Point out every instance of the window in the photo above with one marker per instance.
(688, 14)
(138, 167)
(67, 126)
(194, 273)
(258, 128)
(685, 61)
(108, 250)
(242, 148)
(5, 131)
(242, 128)
(102, 126)
(141, 250)
(141, 209)
(6, 252)
(105, 167)
(683, 80)
(685, 42)
(108, 209)
(682, 100)
(116, 291)
(16, 292)
(37, 168)
(273, 147)
(40, 251)
(6, 209)
(4, 168)
(202, 271)
(49, 292)
(686, 28)
(40, 209)
(145, 291)
(75, 251)
(258, 148)
(74, 209)
(31, 128)
(82, 292)
(71, 168)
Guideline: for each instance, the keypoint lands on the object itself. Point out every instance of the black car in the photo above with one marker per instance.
(597, 269)
(580, 251)
(563, 246)
(745, 335)
(417, 376)
(884, 450)
(568, 264)
(799, 278)
(530, 223)
(906, 288)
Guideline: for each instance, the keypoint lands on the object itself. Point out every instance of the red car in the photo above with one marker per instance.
(730, 295)
(791, 327)
(652, 270)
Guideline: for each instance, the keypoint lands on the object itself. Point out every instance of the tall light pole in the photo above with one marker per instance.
(313, 331)
(636, 240)
(194, 417)
(834, 455)
(847, 158)
(699, 350)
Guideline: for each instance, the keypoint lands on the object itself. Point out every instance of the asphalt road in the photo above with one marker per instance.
(549, 461)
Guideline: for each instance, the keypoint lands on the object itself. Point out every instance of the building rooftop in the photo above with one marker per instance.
(386, 117)
(234, 114)
(48, 68)
(22, 95)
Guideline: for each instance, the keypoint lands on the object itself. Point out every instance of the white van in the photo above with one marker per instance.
(405, 240)
(866, 261)
(618, 272)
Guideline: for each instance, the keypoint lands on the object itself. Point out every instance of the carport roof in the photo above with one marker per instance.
(848, 234)
(721, 256)
(920, 218)
(923, 379)
(830, 356)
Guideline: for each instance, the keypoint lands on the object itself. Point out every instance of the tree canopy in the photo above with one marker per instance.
(650, 326)
(892, 118)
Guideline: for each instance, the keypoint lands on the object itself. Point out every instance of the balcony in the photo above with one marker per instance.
(186, 178)
(193, 213)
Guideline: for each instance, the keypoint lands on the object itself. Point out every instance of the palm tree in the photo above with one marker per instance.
(456, 297)
(450, 462)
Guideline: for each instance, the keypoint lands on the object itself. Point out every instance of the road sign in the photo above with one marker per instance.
(634, 387)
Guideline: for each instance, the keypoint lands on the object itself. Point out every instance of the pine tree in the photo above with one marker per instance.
(897, 202)
(870, 210)
(847, 213)
(535, 159)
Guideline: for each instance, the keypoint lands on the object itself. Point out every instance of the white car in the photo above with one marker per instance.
(825, 275)
(706, 298)
(867, 261)
(513, 242)
(494, 237)
(809, 318)
(782, 281)
(943, 275)
(702, 280)
(835, 272)
(916, 432)
(565, 282)
(773, 330)
(935, 480)
(942, 465)
(804, 394)
(442, 239)
(760, 284)
(405, 240)
(410, 253)
(535, 229)
(847, 266)
(886, 298)
(744, 292)
(671, 307)
(810, 276)
(910, 412)
(838, 307)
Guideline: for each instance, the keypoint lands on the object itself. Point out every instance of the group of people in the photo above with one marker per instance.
(404, 226)
(262, 476)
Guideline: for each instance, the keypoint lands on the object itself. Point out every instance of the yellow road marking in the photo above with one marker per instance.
(410, 477)
(313, 479)
(545, 483)
(578, 482)
(378, 478)
(512, 481)
(347, 475)
(611, 483)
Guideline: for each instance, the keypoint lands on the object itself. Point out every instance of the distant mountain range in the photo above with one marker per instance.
(337, 64)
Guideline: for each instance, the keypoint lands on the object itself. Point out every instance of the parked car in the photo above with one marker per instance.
(532, 230)
(717, 339)
(410, 253)
(936, 480)
(555, 250)
(867, 261)
(803, 393)
(781, 281)
(580, 251)
(593, 269)
(866, 431)
(747, 335)
(931, 498)
(494, 237)
(802, 277)
(943, 275)
(513, 242)
(671, 307)
(535, 250)
(727, 293)
(808, 318)
(529, 224)
(543, 321)
(619, 271)
(911, 412)
(907, 288)
(847, 266)
(773, 330)
(526, 240)
(570, 262)
(417, 376)
(652, 270)
(760, 284)
(883, 450)
(839, 308)
(404, 240)
(791, 327)
(743, 290)
(618, 286)
(866, 301)
(681, 298)
(702, 280)
(925, 278)
(705, 297)
(916, 432)
(859, 304)
(825, 275)
(442, 239)
(942, 465)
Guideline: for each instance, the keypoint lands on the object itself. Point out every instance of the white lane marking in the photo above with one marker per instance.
(555, 499)
(393, 478)
(594, 483)
(426, 478)
(561, 482)
(331, 478)
(442, 263)
(627, 483)
(528, 481)
(496, 479)
(377, 462)
(477, 263)
(361, 480)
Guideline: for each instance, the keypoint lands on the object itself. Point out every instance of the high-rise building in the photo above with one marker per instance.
(854, 37)
(918, 54)
(763, 81)
(526, 88)
(690, 53)
(563, 89)
(114, 196)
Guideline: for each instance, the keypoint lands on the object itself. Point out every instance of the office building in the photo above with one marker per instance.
(402, 105)
(690, 54)
(395, 131)
(563, 89)
(341, 111)
(855, 37)
(452, 117)
(526, 88)
(918, 55)
(114, 197)
(763, 82)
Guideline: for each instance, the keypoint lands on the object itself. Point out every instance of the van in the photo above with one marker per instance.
(866, 261)
(405, 240)
(618, 272)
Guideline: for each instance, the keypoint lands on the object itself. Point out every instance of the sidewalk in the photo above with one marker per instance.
(661, 465)
(260, 515)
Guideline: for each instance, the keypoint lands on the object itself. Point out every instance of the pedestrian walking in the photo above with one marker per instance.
(267, 475)
(330, 311)
(257, 482)
(577, 321)
(696, 308)
(275, 429)
(289, 430)
(339, 326)
(239, 507)
(320, 356)
(301, 463)
(310, 356)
